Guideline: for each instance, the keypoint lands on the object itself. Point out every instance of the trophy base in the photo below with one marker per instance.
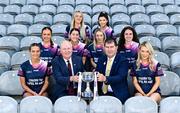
(87, 96)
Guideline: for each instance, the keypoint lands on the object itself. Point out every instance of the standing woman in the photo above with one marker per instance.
(146, 73)
(96, 48)
(49, 50)
(34, 74)
(103, 22)
(128, 44)
(78, 23)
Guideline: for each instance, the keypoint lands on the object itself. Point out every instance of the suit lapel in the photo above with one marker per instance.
(74, 64)
(113, 65)
(63, 65)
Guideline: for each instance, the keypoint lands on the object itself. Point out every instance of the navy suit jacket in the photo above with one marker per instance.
(61, 74)
(117, 78)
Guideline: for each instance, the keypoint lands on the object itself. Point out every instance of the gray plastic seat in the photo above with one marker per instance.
(165, 30)
(134, 9)
(49, 9)
(115, 9)
(171, 9)
(175, 20)
(116, 2)
(154, 9)
(18, 2)
(166, 2)
(10, 83)
(65, 9)
(34, 2)
(175, 62)
(159, 19)
(62, 105)
(84, 8)
(18, 58)
(8, 105)
(99, 8)
(27, 41)
(51, 2)
(4, 62)
(95, 19)
(43, 19)
(1, 9)
(138, 19)
(4, 3)
(171, 44)
(58, 39)
(87, 19)
(58, 29)
(62, 18)
(106, 104)
(17, 30)
(83, 2)
(163, 59)
(169, 84)
(35, 29)
(118, 28)
(146, 3)
(36, 104)
(12, 9)
(170, 105)
(179, 31)
(30, 9)
(9, 44)
(25, 19)
(2, 30)
(145, 30)
(99, 2)
(177, 2)
(120, 18)
(67, 2)
(6, 19)
(132, 2)
(140, 104)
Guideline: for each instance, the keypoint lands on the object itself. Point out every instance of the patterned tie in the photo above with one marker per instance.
(71, 90)
(108, 69)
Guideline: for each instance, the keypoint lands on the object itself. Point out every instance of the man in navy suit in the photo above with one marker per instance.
(113, 71)
(65, 68)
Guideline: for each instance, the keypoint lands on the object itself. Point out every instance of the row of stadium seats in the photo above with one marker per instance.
(103, 104)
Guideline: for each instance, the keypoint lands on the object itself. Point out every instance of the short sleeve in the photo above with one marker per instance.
(133, 69)
(87, 31)
(21, 71)
(159, 71)
(48, 71)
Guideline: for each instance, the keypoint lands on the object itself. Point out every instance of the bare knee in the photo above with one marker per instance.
(156, 97)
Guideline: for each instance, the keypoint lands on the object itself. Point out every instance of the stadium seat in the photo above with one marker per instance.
(115, 9)
(25, 19)
(27, 41)
(67, 2)
(4, 3)
(58, 29)
(83, 2)
(171, 9)
(177, 2)
(12, 9)
(118, 28)
(166, 2)
(175, 62)
(169, 84)
(2, 30)
(163, 59)
(10, 83)
(1, 9)
(17, 30)
(87, 19)
(84, 8)
(145, 30)
(120, 18)
(99, 2)
(58, 39)
(51, 2)
(116, 2)
(9, 44)
(43, 18)
(35, 29)
(8, 105)
(35, 2)
(18, 2)
(154, 9)
(175, 20)
(170, 105)
(178, 30)
(154, 41)
(62, 18)
(62, 105)
(134, 9)
(36, 104)
(18, 58)
(4, 62)
(146, 3)
(139, 19)
(6, 19)
(30, 9)
(171, 44)
(159, 19)
(65, 9)
(165, 30)
(140, 104)
(132, 2)
(49, 9)
(99, 8)
(106, 104)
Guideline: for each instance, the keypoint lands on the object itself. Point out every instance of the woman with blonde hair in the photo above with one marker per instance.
(78, 23)
(146, 73)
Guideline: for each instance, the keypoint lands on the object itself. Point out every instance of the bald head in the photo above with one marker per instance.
(66, 49)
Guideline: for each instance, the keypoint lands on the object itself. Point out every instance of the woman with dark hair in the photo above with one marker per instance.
(34, 74)
(103, 22)
(49, 50)
(128, 44)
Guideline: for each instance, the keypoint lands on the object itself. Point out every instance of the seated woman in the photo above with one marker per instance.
(34, 74)
(146, 73)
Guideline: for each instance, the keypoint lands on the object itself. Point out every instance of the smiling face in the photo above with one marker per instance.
(110, 49)
(66, 49)
(128, 35)
(74, 36)
(35, 52)
(78, 17)
(144, 53)
(102, 22)
(99, 37)
(46, 35)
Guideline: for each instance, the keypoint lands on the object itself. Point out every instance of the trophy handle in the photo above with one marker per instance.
(79, 86)
(95, 85)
